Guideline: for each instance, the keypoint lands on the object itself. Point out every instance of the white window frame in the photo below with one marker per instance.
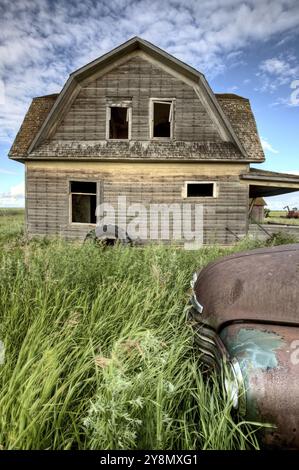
(96, 194)
(119, 104)
(171, 116)
(215, 189)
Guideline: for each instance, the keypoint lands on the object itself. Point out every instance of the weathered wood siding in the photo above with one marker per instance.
(140, 80)
(48, 194)
(263, 231)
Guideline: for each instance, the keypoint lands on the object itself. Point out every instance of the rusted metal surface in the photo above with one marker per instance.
(292, 213)
(258, 285)
(245, 311)
(109, 235)
(268, 356)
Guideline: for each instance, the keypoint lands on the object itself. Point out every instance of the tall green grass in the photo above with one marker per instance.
(11, 223)
(99, 354)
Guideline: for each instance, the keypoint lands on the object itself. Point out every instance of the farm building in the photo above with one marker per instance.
(257, 209)
(139, 123)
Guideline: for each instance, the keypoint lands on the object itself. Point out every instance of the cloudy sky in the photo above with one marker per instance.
(246, 47)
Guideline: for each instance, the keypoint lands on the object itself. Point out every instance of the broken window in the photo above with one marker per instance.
(83, 202)
(162, 118)
(200, 190)
(118, 122)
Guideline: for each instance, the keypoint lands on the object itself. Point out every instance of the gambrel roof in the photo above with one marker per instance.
(238, 111)
(231, 114)
(37, 113)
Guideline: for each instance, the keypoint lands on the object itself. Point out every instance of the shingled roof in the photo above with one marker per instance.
(239, 112)
(33, 120)
(236, 108)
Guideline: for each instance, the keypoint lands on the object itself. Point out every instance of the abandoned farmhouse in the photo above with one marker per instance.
(139, 123)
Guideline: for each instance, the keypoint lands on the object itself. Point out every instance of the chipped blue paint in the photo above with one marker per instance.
(255, 350)
(254, 347)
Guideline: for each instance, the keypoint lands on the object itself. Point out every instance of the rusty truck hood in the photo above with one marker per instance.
(258, 285)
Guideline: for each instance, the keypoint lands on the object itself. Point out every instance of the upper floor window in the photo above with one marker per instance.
(161, 118)
(119, 115)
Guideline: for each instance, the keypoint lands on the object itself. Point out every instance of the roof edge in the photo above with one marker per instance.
(131, 44)
(266, 175)
(41, 97)
(231, 96)
(25, 158)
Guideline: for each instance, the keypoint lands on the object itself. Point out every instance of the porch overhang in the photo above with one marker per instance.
(264, 183)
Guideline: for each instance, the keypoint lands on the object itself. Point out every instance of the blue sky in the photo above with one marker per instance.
(246, 47)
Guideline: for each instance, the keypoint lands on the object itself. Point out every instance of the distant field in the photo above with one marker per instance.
(11, 222)
(11, 212)
(280, 217)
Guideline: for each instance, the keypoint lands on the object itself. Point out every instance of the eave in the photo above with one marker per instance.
(264, 183)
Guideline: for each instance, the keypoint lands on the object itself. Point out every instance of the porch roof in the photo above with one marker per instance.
(263, 183)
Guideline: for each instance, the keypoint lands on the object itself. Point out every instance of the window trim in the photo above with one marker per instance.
(215, 189)
(119, 104)
(151, 117)
(96, 194)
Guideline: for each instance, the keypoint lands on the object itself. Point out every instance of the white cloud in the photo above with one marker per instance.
(232, 89)
(2, 92)
(278, 71)
(267, 146)
(234, 55)
(42, 41)
(276, 67)
(279, 202)
(284, 40)
(3, 171)
(18, 190)
(15, 197)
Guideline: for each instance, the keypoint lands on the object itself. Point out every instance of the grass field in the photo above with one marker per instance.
(280, 217)
(98, 351)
